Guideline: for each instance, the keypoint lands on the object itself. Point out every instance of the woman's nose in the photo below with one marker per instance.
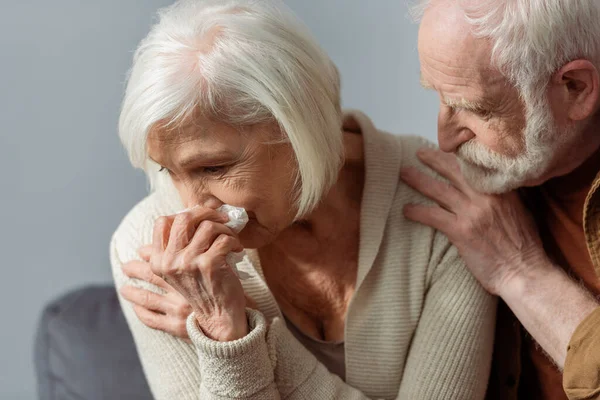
(193, 196)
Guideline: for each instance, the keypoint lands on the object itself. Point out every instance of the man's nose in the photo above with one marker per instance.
(451, 134)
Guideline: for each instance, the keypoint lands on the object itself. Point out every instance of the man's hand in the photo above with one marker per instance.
(499, 243)
(494, 234)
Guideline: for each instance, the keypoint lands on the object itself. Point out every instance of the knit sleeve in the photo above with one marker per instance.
(450, 355)
(240, 369)
(267, 364)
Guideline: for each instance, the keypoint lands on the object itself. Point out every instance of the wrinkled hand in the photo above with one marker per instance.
(188, 252)
(166, 312)
(494, 234)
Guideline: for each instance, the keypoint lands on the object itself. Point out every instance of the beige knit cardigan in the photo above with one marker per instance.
(418, 326)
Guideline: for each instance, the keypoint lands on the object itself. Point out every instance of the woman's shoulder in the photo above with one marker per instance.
(421, 246)
(408, 146)
(135, 229)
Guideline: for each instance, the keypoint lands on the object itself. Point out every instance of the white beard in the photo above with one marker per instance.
(490, 172)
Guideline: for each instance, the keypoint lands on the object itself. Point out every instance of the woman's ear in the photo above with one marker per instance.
(575, 91)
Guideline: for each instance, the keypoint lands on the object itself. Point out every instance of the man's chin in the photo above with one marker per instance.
(488, 180)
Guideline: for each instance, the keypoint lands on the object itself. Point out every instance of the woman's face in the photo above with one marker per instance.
(212, 163)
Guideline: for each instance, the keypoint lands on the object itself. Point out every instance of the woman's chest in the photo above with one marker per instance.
(313, 295)
(378, 323)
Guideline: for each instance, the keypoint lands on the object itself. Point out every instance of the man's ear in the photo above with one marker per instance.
(575, 90)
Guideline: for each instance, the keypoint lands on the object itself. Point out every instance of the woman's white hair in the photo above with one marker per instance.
(240, 62)
(532, 39)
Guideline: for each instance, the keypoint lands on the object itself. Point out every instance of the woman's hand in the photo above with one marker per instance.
(166, 312)
(188, 252)
(495, 234)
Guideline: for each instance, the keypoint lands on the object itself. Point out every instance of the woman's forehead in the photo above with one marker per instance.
(172, 144)
(166, 139)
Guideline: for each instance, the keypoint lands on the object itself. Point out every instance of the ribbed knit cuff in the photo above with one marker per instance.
(240, 368)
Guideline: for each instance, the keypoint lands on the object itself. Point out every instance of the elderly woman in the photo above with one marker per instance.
(232, 102)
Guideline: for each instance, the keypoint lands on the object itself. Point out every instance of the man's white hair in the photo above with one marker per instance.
(241, 62)
(532, 39)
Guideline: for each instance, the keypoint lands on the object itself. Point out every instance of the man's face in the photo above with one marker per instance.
(482, 119)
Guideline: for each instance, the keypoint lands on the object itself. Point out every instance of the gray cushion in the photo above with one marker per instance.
(84, 350)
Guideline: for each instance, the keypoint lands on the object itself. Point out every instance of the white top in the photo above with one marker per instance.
(418, 326)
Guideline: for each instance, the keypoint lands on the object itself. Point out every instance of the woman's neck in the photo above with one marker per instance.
(337, 217)
(311, 268)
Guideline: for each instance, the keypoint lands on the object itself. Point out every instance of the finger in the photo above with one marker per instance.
(145, 298)
(154, 320)
(186, 223)
(180, 307)
(223, 245)
(172, 304)
(149, 318)
(433, 216)
(441, 192)
(178, 328)
(444, 164)
(145, 252)
(160, 234)
(206, 233)
(141, 270)
(215, 255)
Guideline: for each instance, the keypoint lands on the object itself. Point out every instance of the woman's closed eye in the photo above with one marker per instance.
(214, 170)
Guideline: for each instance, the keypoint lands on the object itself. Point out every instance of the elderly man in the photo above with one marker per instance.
(519, 86)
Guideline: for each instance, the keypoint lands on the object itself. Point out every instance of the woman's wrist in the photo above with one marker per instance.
(224, 328)
(240, 368)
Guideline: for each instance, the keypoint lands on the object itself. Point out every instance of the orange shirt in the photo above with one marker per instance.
(560, 221)
(567, 213)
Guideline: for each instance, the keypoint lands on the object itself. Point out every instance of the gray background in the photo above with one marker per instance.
(66, 182)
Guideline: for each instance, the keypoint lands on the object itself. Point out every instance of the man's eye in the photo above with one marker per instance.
(484, 114)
